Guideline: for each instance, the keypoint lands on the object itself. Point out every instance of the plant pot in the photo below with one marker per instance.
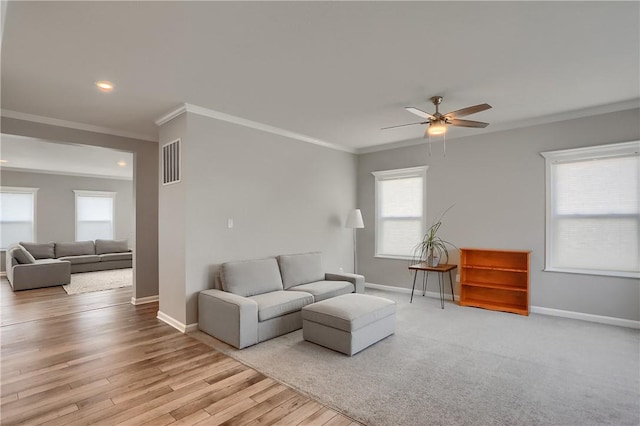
(433, 261)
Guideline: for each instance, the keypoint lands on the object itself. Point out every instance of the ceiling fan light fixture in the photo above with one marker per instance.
(437, 128)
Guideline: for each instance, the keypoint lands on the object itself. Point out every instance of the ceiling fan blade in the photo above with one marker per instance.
(420, 113)
(467, 111)
(402, 125)
(467, 123)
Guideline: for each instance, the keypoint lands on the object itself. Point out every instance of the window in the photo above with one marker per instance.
(400, 211)
(17, 215)
(593, 210)
(94, 215)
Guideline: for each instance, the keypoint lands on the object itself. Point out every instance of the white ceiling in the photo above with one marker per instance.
(36, 155)
(333, 71)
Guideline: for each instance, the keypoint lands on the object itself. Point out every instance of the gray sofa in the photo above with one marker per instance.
(262, 299)
(36, 265)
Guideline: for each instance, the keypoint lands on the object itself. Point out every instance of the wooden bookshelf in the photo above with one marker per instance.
(495, 279)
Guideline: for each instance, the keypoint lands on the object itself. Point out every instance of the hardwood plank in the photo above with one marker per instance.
(274, 416)
(96, 359)
(261, 408)
(339, 421)
(192, 419)
(302, 413)
(162, 420)
(320, 417)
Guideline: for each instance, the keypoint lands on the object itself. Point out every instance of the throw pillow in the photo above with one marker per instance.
(22, 255)
(111, 246)
(40, 250)
(75, 248)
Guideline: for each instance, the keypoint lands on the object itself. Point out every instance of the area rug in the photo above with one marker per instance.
(87, 282)
(466, 366)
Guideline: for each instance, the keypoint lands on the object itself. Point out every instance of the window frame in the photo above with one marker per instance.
(102, 194)
(574, 155)
(34, 194)
(420, 171)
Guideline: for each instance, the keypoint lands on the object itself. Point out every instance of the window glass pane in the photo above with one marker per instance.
(94, 208)
(94, 217)
(16, 218)
(399, 237)
(401, 197)
(94, 230)
(16, 206)
(593, 222)
(599, 244)
(599, 186)
(13, 232)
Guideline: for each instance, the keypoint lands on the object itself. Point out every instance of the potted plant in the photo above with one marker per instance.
(432, 248)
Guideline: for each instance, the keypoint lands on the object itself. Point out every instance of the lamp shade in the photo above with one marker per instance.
(354, 219)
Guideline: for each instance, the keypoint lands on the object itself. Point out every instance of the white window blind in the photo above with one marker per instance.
(17, 215)
(593, 210)
(94, 215)
(400, 207)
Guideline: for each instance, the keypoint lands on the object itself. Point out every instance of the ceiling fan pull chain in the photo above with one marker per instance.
(444, 138)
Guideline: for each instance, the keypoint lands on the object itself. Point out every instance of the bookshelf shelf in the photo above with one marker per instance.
(495, 279)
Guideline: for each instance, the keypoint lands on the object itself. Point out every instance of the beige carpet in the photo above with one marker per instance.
(87, 282)
(466, 366)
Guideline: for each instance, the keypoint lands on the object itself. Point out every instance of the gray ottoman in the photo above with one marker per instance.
(349, 323)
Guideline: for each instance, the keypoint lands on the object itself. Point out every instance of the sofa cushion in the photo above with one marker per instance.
(87, 258)
(75, 248)
(322, 290)
(115, 256)
(111, 246)
(40, 250)
(277, 303)
(21, 255)
(250, 277)
(299, 269)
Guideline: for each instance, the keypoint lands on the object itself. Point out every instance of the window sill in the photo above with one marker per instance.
(389, 256)
(619, 274)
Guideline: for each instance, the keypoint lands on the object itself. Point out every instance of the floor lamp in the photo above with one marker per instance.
(354, 220)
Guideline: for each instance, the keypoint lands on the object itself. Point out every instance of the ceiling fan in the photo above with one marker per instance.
(438, 122)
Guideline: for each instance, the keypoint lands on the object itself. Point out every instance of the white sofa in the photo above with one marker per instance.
(262, 299)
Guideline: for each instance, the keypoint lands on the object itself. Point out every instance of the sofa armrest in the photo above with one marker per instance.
(43, 273)
(355, 279)
(228, 317)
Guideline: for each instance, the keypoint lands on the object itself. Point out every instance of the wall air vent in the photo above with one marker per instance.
(171, 162)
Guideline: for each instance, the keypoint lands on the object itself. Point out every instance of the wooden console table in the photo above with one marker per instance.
(440, 269)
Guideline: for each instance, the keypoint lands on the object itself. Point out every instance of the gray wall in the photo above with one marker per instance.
(283, 195)
(145, 190)
(497, 183)
(55, 207)
(172, 224)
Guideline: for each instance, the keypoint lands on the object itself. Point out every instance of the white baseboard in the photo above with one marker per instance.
(181, 327)
(143, 300)
(404, 290)
(620, 322)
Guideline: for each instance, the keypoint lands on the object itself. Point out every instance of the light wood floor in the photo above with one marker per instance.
(96, 359)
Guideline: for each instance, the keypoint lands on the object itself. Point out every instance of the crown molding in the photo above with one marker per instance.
(552, 118)
(63, 173)
(171, 115)
(75, 125)
(217, 115)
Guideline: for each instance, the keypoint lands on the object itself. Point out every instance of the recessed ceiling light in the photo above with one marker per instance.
(4, 161)
(122, 163)
(104, 86)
